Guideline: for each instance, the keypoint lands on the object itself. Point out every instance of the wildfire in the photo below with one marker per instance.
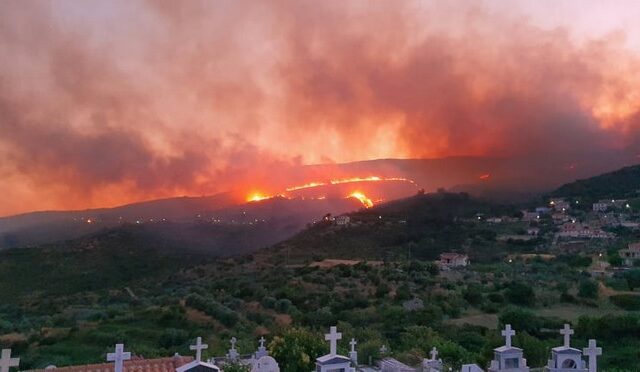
(305, 186)
(340, 181)
(369, 179)
(362, 198)
(256, 196)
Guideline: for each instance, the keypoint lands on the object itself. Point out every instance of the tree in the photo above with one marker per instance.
(296, 350)
(588, 289)
(534, 350)
(522, 320)
(473, 294)
(403, 292)
(633, 278)
(520, 294)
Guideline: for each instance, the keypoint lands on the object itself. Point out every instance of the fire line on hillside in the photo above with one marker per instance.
(358, 194)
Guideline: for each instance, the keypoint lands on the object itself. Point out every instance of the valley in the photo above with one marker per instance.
(378, 275)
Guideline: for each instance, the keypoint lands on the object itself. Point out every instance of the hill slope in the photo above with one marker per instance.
(623, 183)
(422, 226)
(284, 218)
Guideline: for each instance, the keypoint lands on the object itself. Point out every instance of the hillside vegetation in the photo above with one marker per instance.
(623, 183)
(69, 303)
(420, 227)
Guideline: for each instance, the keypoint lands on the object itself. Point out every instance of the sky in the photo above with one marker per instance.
(109, 102)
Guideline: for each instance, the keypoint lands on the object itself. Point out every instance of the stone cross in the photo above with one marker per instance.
(198, 347)
(6, 361)
(333, 336)
(508, 333)
(383, 350)
(233, 353)
(353, 354)
(118, 357)
(567, 332)
(592, 352)
(262, 351)
(434, 353)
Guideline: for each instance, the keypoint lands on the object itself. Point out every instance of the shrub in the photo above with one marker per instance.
(588, 289)
(626, 301)
(520, 294)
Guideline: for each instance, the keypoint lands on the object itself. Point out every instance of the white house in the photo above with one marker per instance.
(450, 260)
(530, 216)
(601, 206)
(631, 254)
(342, 220)
(560, 204)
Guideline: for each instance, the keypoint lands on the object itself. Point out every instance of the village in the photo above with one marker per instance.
(559, 227)
(507, 358)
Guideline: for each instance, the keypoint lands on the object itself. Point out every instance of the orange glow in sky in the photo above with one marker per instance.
(204, 97)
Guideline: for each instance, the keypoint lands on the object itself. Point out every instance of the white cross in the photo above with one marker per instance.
(383, 350)
(508, 333)
(567, 332)
(118, 357)
(198, 347)
(333, 336)
(233, 343)
(434, 353)
(262, 340)
(592, 352)
(6, 361)
(353, 344)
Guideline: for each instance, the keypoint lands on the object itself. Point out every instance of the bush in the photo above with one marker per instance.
(588, 289)
(520, 294)
(213, 308)
(473, 294)
(633, 278)
(496, 297)
(173, 337)
(626, 301)
(282, 305)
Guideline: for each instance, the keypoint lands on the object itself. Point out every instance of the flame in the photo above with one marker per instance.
(257, 196)
(339, 181)
(305, 186)
(362, 198)
(369, 179)
(485, 176)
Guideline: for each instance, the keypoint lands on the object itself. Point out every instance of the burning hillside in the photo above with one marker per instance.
(368, 190)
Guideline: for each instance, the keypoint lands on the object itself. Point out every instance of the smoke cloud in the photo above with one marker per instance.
(103, 103)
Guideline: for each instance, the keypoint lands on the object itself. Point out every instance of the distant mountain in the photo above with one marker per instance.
(207, 224)
(497, 178)
(50, 226)
(501, 179)
(623, 183)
